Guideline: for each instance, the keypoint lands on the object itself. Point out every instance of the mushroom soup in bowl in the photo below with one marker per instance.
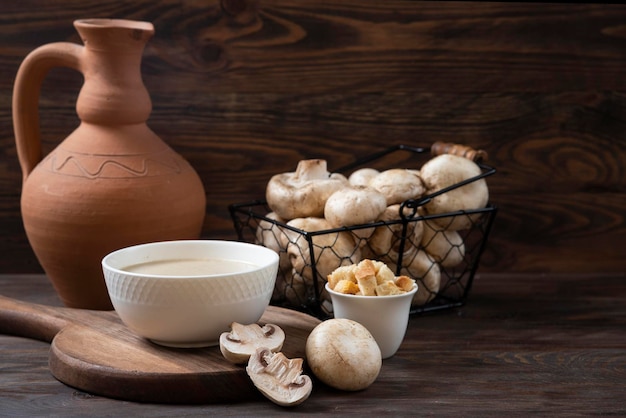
(186, 293)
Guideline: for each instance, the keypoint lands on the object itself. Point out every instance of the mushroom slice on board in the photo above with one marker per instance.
(279, 378)
(243, 340)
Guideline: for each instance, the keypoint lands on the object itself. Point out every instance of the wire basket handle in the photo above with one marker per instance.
(470, 153)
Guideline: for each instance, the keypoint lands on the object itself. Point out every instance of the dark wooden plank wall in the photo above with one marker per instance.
(245, 89)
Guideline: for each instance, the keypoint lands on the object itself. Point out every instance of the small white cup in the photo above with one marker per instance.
(385, 317)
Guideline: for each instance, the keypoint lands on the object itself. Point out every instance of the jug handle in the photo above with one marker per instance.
(26, 92)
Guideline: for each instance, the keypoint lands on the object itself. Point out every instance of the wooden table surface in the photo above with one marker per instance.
(523, 345)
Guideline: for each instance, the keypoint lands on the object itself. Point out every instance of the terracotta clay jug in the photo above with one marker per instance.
(112, 182)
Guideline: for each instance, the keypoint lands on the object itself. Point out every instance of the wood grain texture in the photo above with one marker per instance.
(245, 89)
(524, 344)
(94, 351)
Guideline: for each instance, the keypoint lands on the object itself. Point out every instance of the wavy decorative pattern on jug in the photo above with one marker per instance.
(95, 166)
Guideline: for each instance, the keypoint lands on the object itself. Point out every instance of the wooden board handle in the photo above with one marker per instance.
(470, 153)
(39, 322)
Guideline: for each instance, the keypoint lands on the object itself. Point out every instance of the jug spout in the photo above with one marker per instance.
(113, 91)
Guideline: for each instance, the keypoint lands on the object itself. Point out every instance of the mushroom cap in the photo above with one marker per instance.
(355, 205)
(331, 250)
(362, 176)
(398, 185)
(271, 235)
(426, 272)
(385, 242)
(278, 378)
(242, 341)
(444, 246)
(296, 289)
(303, 193)
(343, 354)
(446, 170)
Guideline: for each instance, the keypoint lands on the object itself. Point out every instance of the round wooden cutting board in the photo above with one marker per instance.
(95, 352)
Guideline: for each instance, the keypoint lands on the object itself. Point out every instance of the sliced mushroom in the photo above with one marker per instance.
(278, 378)
(243, 340)
(303, 193)
(447, 170)
(398, 185)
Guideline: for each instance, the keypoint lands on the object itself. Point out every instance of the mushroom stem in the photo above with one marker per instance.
(250, 332)
(311, 170)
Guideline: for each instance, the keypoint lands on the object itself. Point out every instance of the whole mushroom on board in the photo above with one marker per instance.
(279, 378)
(447, 170)
(303, 193)
(343, 354)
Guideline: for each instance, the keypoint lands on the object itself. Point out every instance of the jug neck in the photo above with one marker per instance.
(113, 91)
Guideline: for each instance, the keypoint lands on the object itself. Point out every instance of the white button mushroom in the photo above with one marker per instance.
(447, 170)
(427, 272)
(354, 205)
(343, 354)
(384, 243)
(303, 193)
(362, 176)
(444, 246)
(398, 185)
(330, 250)
(272, 235)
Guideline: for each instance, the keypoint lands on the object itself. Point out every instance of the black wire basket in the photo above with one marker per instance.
(443, 263)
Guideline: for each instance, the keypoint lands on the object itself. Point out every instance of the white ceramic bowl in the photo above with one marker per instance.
(385, 317)
(179, 308)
